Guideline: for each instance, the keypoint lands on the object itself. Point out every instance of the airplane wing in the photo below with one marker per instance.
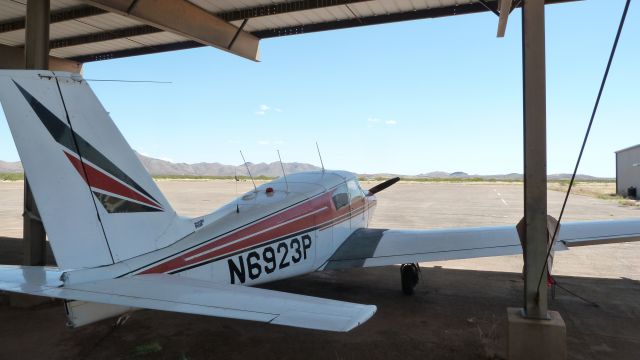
(179, 294)
(379, 247)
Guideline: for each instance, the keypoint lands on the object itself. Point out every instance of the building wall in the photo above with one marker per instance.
(627, 175)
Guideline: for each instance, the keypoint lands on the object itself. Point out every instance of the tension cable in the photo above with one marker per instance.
(584, 143)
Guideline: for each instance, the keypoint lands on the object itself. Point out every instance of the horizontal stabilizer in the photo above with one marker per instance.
(179, 294)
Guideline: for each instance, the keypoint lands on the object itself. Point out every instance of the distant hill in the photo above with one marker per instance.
(163, 167)
(504, 177)
(10, 167)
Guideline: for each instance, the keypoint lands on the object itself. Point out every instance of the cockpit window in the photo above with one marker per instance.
(341, 197)
(355, 191)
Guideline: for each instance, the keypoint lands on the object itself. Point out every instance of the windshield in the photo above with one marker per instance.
(355, 192)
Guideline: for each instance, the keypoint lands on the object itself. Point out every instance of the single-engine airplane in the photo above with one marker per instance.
(119, 245)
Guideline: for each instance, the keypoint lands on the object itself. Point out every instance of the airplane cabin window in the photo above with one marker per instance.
(355, 191)
(341, 197)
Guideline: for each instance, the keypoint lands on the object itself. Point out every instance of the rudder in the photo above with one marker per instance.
(96, 200)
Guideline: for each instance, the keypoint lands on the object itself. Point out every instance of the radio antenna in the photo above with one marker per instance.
(235, 177)
(283, 172)
(249, 171)
(320, 155)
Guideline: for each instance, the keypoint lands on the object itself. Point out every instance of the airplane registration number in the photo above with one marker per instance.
(273, 257)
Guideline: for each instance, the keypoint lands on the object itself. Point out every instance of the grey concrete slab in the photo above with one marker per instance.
(11, 198)
(550, 335)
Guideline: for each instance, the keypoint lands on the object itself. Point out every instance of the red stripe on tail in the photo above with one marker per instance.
(99, 180)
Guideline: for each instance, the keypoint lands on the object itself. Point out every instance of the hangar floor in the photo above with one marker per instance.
(457, 312)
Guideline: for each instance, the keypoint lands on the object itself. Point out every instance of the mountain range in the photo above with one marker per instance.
(10, 167)
(274, 169)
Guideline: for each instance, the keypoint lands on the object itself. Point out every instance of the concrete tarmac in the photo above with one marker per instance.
(457, 312)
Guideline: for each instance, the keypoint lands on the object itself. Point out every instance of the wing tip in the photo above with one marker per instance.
(356, 315)
(366, 313)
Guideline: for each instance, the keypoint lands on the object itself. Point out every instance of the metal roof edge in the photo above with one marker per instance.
(628, 148)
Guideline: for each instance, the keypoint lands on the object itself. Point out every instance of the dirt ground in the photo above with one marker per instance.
(457, 312)
(600, 190)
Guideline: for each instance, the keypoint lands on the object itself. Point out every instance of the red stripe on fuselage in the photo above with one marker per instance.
(288, 222)
(101, 181)
(344, 218)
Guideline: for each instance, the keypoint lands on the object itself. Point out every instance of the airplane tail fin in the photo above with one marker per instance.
(97, 202)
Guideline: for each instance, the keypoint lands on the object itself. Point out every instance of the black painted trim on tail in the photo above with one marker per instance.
(56, 127)
(113, 204)
(64, 136)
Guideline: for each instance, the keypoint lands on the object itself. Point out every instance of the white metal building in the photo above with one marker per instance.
(628, 170)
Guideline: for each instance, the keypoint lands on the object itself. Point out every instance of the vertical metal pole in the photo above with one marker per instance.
(535, 157)
(36, 53)
(36, 46)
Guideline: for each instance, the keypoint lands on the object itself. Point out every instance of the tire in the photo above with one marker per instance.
(409, 278)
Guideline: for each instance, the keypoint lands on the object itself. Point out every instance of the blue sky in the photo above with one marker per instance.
(407, 98)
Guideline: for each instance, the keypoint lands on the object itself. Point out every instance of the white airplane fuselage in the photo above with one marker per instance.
(283, 228)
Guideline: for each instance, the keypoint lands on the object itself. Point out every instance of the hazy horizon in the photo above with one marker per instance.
(422, 173)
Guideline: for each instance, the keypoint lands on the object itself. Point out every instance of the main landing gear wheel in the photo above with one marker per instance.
(409, 274)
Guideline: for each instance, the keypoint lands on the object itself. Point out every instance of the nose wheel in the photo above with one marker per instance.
(409, 275)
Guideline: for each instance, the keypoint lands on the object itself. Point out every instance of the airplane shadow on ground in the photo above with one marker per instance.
(454, 314)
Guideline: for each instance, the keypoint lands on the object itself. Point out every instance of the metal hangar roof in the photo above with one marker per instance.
(95, 30)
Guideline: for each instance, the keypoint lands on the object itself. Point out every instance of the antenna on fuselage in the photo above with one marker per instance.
(283, 172)
(249, 171)
(235, 177)
(320, 155)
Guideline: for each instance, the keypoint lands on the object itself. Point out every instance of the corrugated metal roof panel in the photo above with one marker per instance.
(61, 4)
(95, 48)
(157, 39)
(370, 8)
(259, 23)
(299, 18)
(217, 6)
(119, 44)
(13, 38)
(342, 12)
(109, 21)
(69, 28)
(11, 10)
(56, 31)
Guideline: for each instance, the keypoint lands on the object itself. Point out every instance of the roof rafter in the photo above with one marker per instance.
(188, 20)
(56, 16)
(183, 45)
(472, 8)
(282, 8)
(103, 36)
(505, 10)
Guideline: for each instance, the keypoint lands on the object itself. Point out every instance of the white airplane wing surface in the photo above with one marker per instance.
(178, 294)
(379, 247)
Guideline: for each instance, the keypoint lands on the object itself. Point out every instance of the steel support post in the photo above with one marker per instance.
(36, 54)
(535, 159)
(36, 48)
